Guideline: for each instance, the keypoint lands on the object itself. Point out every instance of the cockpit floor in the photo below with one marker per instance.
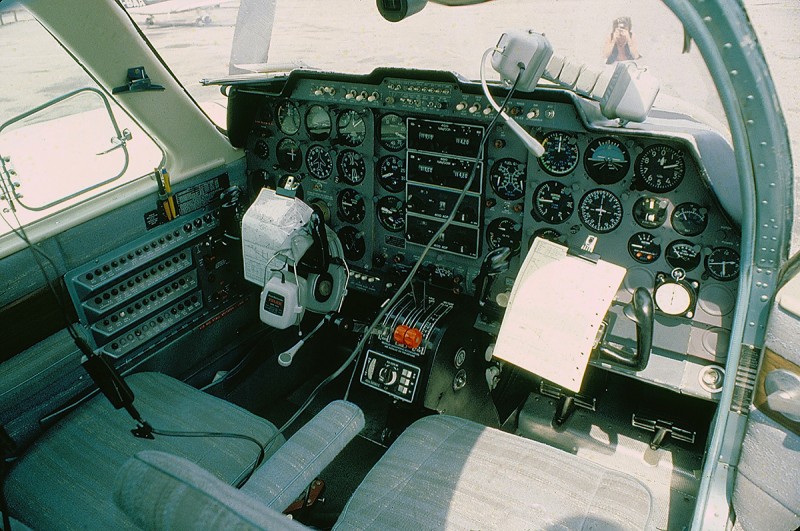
(606, 436)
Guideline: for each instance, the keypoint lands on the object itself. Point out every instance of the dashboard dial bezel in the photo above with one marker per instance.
(603, 169)
(351, 206)
(316, 132)
(561, 153)
(606, 205)
(660, 168)
(351, 167)
(319, 162)
(552, 202)
(351, 127)
(507, 178)
(391, 213)
(391, 136)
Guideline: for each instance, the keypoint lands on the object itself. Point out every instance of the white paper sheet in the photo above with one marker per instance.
(554, 311)
(266, 227)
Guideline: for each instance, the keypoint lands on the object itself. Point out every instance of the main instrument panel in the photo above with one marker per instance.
(387, 156)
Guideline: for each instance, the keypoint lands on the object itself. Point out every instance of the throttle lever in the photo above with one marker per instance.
(641, 310)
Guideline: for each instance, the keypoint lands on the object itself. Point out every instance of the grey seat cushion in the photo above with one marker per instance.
(162, 491)
(448, 473)
(65, 480)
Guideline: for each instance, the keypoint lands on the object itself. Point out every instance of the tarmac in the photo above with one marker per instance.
(776, 24)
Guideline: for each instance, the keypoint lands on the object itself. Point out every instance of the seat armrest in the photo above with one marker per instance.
(158, 490)
(287, 473)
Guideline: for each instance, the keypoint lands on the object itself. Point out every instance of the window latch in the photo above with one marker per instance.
(118, 141)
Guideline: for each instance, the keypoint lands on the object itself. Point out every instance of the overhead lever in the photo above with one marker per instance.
(641, 311)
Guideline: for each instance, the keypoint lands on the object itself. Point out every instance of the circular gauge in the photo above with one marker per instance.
(504, 232)
(318, 123)
(673, 298)
(319, 162)
(650, 212)
(261, 149)
(392, 173)
(644, 247)
(683, 254)
(689, 219)
(606, 160)
(351, 206)
(600, 210)
(661, 168)
(507, 177)
(552, 202)
(546, 233)
(288, 154)
(353, 243)
(351, 166)
(723, 263)
(393, 132)
(392, 213)
(560, 153)
(352, 128)
(288, 118)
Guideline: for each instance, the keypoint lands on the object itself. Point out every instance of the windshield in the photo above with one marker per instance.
(195, 37)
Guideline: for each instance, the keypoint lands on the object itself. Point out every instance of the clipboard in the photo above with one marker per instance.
(554, 313)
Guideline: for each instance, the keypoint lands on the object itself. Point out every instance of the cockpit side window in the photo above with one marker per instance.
(62, 139)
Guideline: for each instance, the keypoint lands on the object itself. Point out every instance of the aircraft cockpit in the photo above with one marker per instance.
(449, 264)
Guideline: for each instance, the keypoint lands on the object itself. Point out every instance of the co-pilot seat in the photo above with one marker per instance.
(443, 472)
(66, 478)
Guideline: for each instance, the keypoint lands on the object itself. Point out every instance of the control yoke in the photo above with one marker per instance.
(641, 311)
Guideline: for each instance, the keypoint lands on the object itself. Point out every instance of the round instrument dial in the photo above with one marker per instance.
(600, 210)
(723, 263)
(288, 118)
(689, 219)
(261, 149)
(507, 178)
(288, 154)
(606, 160)
(352, 128)
(318, 123)
(351, 167)
(650, 212)
(504, 232)
(319, 162)
(391, 213)
(393, 132)
(351, 206)
(354, 245)
(561, 153)
(683, 254)
(552, 202)
(392, 173)
(644, 247)
(673, 298)
(660, 168)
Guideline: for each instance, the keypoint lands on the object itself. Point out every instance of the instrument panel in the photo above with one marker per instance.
(387, 156)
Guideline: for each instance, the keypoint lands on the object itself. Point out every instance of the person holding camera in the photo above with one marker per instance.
(621, 45)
